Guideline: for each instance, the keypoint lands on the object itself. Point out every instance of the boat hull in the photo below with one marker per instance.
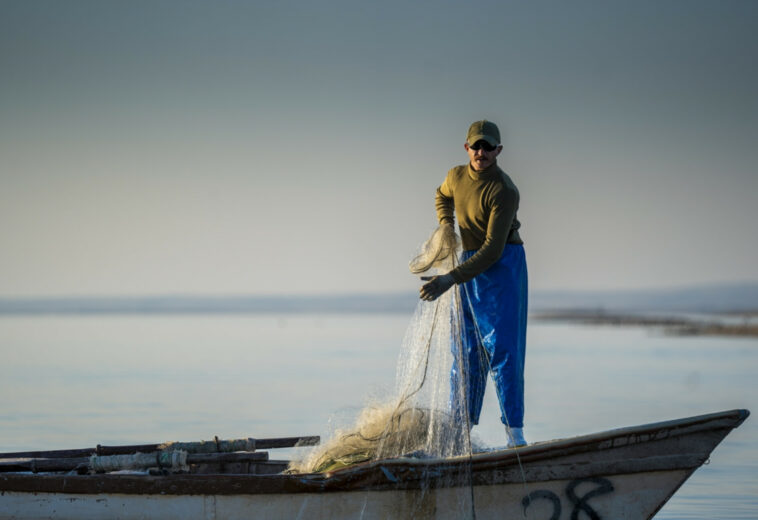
(622, 474)
(621, 497)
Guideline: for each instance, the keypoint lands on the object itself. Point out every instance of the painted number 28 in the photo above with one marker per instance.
(580, 503)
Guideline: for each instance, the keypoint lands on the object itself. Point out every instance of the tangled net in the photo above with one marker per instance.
(380, 432)
(425, 416)
(439, 251)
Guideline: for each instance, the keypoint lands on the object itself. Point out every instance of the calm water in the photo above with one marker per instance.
(76, 381)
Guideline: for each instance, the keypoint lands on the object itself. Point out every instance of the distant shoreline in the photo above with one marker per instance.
(674, 325)
(169, 304)
(733, 306)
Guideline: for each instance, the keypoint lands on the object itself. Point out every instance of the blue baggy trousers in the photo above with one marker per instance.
(494, 311)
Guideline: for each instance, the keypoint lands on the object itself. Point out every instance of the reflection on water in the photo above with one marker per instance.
(76, 381)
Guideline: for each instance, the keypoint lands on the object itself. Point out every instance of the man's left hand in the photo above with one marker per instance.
(435, 286)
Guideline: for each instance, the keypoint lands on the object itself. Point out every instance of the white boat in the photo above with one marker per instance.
(626, 473)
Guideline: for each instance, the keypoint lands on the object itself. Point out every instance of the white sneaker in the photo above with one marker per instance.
(515, 437)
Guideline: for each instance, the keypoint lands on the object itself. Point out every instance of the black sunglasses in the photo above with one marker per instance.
(482, 144)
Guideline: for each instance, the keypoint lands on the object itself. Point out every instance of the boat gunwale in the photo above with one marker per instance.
(537, 451)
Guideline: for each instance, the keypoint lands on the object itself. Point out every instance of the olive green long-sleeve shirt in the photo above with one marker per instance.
(485, 203)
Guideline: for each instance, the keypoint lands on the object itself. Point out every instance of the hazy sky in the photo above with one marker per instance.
(295, 147)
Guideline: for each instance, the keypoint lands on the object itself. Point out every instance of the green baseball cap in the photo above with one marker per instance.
(483, 130)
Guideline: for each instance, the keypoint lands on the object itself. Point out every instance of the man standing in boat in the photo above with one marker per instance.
(492, 276)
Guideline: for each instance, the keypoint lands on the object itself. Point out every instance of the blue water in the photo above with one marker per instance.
(80, 380)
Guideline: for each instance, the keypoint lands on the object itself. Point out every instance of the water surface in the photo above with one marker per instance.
(79, 380)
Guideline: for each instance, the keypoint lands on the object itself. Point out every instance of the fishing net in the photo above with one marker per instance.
(439, 251)
(426, 414)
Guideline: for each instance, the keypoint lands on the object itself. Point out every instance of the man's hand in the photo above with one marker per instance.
(435, 286)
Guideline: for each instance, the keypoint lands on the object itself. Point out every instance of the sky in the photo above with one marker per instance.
(294, 147)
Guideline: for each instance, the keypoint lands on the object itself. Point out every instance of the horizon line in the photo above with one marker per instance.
(352, 294)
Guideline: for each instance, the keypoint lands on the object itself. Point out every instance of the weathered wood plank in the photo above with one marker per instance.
(263, 444)
(287, 442)
(74, 463)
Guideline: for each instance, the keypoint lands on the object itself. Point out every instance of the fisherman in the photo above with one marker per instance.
(492, 277)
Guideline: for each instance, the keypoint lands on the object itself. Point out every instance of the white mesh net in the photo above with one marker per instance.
(426, 415)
